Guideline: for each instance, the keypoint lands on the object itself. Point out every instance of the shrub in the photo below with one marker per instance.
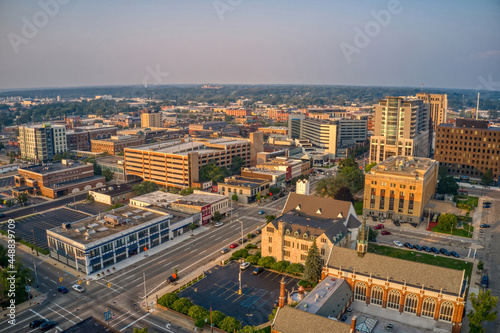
(199, 323)
(267, 262)
(242, 253)
(230, 324)
(304, 283)
(217, 317)
(182, 305)
(168, 299)
(198, 313)
(480, 265)
(253, 259)
(281, 266)
(295, 269)
(251, 246)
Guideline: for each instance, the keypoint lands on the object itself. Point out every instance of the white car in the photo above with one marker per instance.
(218, 224)
(244, 265)
(78, 288)
(398, 243)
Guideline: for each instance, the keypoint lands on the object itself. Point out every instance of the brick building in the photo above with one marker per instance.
(238, 112)
(78, 140)
(116, 144)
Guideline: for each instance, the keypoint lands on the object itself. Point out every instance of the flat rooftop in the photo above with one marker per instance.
(403, 165)
(320, 294)
(184, 148)
(158, 198)
(54, 166)
(116, 189)
(111, 160)
(242, 181)
(200, 199)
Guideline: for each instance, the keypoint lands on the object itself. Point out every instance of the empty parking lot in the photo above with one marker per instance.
(220, 290)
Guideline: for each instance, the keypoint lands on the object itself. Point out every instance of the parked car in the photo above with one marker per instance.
(244, 240)
(224, 250)
(218, 224)
(233, 246)
(171, 279)
(398, 243)
(379, 226)
(282, 195)
(385, 232)
(62, 290)
(244, 265)
(258, 270)
(396, 223)
(344, 318)
(381, 220)
(486, 203)
(484, 281)
(374, 218)
(417, 247)
(426, 249)
(456, 255)
(47, 326)
(37, 322)
(444, 251)
(433, 249)
(3, 215)
(251, 236)
(261, 212)
(486, 206)
(408, 245)
(78, 288)
(258, 231)
(273, 198)
(482, 226)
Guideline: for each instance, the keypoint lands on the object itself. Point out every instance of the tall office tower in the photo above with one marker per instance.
(295, 125)
(151, 119)
(42, 142)
(401, 129)
(438, 106)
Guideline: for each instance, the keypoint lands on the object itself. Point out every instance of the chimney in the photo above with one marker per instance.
(282, 298)
(353, 324)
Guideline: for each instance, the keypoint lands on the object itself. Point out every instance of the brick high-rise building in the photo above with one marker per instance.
(438, 106)
(401, 128)
(151, 119)
(469, 148)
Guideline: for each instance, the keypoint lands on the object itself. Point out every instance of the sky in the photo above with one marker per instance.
(67, 43)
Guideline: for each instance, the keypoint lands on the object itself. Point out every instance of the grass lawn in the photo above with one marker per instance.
(358, 207)
(425, 258)
(457, 232)
(466, 200)
(266, 329)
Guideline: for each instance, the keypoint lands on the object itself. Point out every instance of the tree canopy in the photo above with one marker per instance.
(447, 222)
(487, 177)
(312, 267)
(145, 187)
(447, 185)
(483, 305)
(213, 172)
(344, 194)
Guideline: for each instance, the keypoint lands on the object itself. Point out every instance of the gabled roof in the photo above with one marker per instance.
(310, 204)
(352, 222)
(397, 270)
(291, 320)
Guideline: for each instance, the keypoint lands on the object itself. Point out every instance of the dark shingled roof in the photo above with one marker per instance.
(317, 206)
(291, 320)
(353, 222)
(336, 303)
(397, 270)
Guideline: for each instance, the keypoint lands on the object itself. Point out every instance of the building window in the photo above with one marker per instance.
(303, 257)
(377, 295)
(304, 247)
(411, 303)
(270, 230)
(323, 252)
(360, 291)
(287, 243)
(394, 299)
(323, 240)
(270, 239)
(428, 307)
(446, 312)
(287, 253)
(270, 249)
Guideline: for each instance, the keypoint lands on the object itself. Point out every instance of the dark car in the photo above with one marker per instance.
(244, 240)
(258, 270)
(258, 231)
(444, 251)
(224, 250)
(456, 255)
(417, 247)
(171, 279)
(482, 226)
(251, 235)
(487, 203)
(486, 206)
(274, 198)
(282, 195)
(408, 245)
(433, 249)
(344, 318)
(426, 248)
(374, 218)
(62, 290)
(47, 326)
(3, 215)
(397, 224)
(36, 323)
(484, 281)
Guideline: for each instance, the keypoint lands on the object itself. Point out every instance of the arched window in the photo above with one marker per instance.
(98, 136)
(296, 234)
(393, 299)
(287, 231)
(446, 312)
(428, 307)
(360, 291)
(305, 235)
(312, 238)
(377, 295)
(109, 135)
(411, 303)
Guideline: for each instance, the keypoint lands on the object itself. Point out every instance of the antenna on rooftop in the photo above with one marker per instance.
(421, 87)
(477, 108)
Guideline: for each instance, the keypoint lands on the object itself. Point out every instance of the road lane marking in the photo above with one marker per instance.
(67, 311)
(163, 328)
(61, 315)
(60, 329)
(114, 324)
(163, 261)
(132, 323)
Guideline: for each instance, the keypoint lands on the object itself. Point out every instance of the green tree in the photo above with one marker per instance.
(272, 315)
(347, 163)
(249, 329)
(22, 198)
(487, 177)
(483, 305)
(327, 187)
(192, 226)
(295, 269)
(217, 216)
(258, 197)
(344, 194)
(447, 221)
(236, 165)
(108, 174)
(213, 172)
(199, 323)
(90, 197)
(230, 324)
(447, 185)
(370, 166)
(145, 187)
(182, 305)
(443, 172)
(140, 330)
(217, 318)
(480, 265)
(270, 218)
(267, 262)
(9, 202)
(198, 313)
(187, 191)
(4, 259)
(234, 197)
(312, 267)
(23, 274)
(254, 260)
(281, 266)
(372, 233)
(168, 300)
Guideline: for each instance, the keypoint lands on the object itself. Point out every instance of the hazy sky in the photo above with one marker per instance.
(59, 43)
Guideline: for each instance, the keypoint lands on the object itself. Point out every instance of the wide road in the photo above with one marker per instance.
(125, 295)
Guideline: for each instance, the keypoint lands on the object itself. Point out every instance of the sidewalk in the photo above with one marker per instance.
(37, 299)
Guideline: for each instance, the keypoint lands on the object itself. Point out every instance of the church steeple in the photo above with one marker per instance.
(362, 241)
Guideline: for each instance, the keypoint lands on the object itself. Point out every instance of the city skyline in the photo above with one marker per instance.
(382, 43)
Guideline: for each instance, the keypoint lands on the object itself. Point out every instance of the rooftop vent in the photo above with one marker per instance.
(66, 226)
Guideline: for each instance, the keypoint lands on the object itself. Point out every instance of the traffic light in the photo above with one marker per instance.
(109, 284)
(60, 279)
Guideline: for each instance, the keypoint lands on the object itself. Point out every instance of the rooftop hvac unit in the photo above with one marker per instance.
(66, 226)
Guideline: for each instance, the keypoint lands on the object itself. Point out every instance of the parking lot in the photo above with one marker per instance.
(39, 223)
(92, 208)
(7, 181)
(219, 290)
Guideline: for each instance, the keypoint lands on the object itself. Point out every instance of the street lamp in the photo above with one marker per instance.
(239, 291)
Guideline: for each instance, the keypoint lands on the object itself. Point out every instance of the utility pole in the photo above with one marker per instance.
(34, 240)
(36, 278)
(239, 291)
(211, 321)
(145, 294)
